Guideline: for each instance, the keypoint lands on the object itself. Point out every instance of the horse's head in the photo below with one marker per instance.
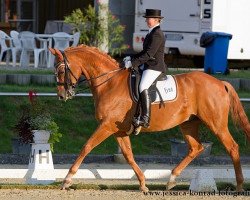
(98, 69)
(66, 78)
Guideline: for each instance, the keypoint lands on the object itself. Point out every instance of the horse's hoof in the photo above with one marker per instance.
(66, 184)
(144, 189)
(170, 185)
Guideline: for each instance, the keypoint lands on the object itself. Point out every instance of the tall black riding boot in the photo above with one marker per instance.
(146, 109)
(137, 116)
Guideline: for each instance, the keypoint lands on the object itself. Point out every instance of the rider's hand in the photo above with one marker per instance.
(127, 64)
(127, 58)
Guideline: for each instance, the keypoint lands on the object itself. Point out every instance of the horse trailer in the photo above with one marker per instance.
(186, 20)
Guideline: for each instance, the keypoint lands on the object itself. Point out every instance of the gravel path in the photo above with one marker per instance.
(38, 194)
(108, 194)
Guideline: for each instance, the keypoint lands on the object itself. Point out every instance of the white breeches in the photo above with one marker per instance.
(148, 77)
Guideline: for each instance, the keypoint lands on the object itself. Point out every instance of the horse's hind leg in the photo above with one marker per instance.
(125, 145)
(190, 133)
(233, 150)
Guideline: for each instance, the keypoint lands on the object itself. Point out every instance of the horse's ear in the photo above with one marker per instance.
(52, 51)
(59, 55)
(56, 53)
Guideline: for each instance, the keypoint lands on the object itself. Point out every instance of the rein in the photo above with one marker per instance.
(104, 74)
(94, 78)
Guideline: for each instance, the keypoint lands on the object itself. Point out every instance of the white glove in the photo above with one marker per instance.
(127, 58)
(127, 64)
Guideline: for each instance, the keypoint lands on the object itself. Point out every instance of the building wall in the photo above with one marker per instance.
(57, 9)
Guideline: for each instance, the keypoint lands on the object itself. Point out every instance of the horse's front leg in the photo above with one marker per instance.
(101, 133)
(125, 145)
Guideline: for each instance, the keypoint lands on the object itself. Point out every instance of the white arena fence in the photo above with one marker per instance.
(40, 94)
(78, 95)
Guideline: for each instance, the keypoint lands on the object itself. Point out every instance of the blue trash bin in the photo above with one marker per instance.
(216, 44)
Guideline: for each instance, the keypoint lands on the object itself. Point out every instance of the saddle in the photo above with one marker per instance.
(163, 89)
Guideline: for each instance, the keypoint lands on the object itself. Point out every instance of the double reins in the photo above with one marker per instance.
(68, 72)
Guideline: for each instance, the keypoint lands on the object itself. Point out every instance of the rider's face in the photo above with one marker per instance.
(151, 22)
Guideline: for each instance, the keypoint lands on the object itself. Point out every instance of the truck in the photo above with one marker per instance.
(186, 20)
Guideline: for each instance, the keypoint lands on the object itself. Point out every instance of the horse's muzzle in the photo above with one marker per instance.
(65, 95)
(62, 95)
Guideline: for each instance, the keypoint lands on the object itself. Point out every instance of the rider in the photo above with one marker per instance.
(151, 59)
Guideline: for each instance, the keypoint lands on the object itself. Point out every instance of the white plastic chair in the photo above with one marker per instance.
(76, 38)
(15, 38)
(61, 42)
(17, 47)
(4, 46)
(28, 41)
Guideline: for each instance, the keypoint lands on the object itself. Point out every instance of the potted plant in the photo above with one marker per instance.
(179, 148)
(36, 124)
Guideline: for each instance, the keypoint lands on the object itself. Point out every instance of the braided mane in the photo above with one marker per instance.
(93, 49)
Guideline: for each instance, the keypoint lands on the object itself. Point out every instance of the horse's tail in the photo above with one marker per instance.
(237, 111)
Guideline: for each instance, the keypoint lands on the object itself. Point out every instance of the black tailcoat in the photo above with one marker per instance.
(152, 55)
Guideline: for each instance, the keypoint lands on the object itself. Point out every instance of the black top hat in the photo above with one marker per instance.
(153, 13)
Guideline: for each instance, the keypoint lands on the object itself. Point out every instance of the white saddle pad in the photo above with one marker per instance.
(167, 89)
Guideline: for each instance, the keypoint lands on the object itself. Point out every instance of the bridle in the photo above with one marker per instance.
(69, 86)
(67, 72)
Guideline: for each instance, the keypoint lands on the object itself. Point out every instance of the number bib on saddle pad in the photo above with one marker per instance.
(162, 90)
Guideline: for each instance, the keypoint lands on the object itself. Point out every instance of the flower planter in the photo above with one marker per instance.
(41, 136)
(19, 147)
(179, 148)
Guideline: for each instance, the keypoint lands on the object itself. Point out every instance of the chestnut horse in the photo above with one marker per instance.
(201, 99)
